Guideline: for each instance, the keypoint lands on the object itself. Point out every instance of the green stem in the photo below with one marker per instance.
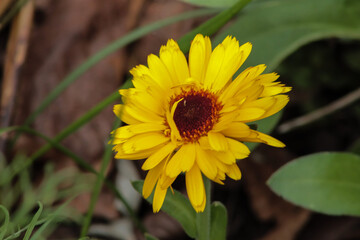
(203, 219)
(213, 25)
(98, 185)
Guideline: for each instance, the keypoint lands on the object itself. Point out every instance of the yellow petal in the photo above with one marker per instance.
(243, 79)
(204, 143)
(218, 180)
(133, 156)
(217, 141)
(151, 178)
(225, 120)
(158, 156)
(148, 102)
(252, 93)
(268, 78)
(263, 103)
(148, 84)
(225, 60)
(239, 149)
(199, 55)
(175, 62)
(182, 161)
(234, 172)
(245, 50)
(280, 103)
(128, 131)
(175, 135)
(252, 137)
(195, 188)
(144, 141)
(270, 140)
(215, 67)
(119, 112)
(236, 130)
(139, 71)
(159, 72)
(159, 197)
(130, 112)
(272, 91)
(165, 181)
(205, 160)
(249, 114)
(226, 157)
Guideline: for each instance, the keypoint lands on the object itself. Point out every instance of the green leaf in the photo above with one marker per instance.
(218, 221)
(50, 219)
(150, 237)
(33, 222)
(278, 28)
(211, 3)
(4, 227)
(327, 182)
(177, 206)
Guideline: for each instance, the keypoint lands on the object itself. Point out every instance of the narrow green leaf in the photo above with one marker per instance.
(213, 25)
(5, 225)
(327, 182)
(107, 157)
(177, 206)
(278, 28)
(211, 3)
(150, 237)
(43, 222)
(33, 222)
(218, 221)
(51, 218)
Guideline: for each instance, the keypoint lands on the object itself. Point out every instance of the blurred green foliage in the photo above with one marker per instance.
(21, 196)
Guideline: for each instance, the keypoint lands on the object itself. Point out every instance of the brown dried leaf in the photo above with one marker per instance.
(4, 5)
(15, 55)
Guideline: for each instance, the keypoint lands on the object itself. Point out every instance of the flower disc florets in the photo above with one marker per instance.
(195, 114)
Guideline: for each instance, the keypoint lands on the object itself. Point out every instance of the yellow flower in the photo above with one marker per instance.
(191, 117)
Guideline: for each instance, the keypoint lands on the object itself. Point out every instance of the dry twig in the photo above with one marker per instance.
(317, 114)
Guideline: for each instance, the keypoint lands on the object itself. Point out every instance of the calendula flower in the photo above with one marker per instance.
(190, 117)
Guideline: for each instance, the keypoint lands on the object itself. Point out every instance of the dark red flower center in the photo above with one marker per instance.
(196, 114)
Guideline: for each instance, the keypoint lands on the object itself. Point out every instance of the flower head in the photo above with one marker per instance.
(190, 117)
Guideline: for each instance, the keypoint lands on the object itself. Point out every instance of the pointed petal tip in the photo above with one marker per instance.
(156, 209)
